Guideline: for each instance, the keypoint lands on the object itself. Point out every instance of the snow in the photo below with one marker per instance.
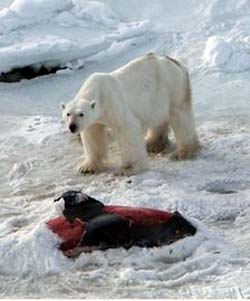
(227, 55)
(40, 32)
(95, 11)
(38, 8)
(38, 157)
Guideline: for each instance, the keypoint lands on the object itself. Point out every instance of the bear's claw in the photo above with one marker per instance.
(87, 168)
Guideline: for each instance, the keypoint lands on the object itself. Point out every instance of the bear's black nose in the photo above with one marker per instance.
(72, 127)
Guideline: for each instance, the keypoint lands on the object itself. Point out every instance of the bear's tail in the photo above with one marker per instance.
(187, 99)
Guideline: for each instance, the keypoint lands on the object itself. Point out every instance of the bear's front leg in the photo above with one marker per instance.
(95, 149)
(132, 148)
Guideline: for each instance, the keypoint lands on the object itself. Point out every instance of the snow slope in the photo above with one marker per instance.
(38, 158)
(63, 33)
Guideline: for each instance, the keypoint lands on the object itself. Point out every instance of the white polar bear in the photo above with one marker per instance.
(147, 94)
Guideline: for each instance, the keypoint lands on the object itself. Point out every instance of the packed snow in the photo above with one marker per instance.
(77, 30)
(38, 157)
(227, 55)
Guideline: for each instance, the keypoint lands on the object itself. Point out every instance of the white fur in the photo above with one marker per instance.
(149, 93)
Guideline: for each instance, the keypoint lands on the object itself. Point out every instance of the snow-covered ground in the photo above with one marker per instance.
(38, 158)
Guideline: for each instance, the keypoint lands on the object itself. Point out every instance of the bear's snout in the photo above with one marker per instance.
(72, 127)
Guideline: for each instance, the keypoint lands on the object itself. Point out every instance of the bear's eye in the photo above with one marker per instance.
(68, 114)
(81, 114)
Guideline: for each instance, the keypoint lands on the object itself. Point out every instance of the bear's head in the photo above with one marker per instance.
(80, 114)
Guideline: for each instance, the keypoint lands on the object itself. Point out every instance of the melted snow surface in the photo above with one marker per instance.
(38, 157)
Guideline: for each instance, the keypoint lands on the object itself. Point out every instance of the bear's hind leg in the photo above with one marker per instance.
(95, 148)
(157, 138)
(187, 142)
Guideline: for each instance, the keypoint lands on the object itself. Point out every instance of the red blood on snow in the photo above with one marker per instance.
(70, 233)
(140, 216)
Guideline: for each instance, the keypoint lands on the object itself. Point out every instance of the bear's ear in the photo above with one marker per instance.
(93, 103)
(62, 106)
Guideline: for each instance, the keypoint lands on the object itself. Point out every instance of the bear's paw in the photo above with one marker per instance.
(88, 167)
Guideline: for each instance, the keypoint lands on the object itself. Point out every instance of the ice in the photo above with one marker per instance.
(58, 33)
(22, 13)
(219, 10)
(226, 55)
(217, 51)
(95, 11)
(38, 157)
(38, 8)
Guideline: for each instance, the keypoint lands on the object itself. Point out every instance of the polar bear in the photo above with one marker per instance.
(146, 96)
